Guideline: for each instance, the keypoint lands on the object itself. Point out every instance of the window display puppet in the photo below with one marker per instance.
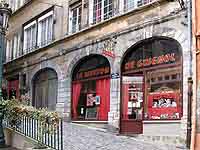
(155, 104)
(134, 97)
(173, 103)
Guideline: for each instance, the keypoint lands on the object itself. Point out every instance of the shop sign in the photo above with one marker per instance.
(93, 73)
(108, 48)
(163, 59)
(108, 53)
(114, 75)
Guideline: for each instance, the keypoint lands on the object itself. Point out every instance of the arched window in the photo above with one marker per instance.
(45, 85)
(91, 89)
(152, 80)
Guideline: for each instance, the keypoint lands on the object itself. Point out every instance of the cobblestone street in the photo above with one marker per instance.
(78, 137)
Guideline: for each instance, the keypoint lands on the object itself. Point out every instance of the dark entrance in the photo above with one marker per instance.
(151, 83)
(45, 85)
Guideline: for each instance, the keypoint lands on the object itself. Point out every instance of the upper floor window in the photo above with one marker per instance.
(8, 50)
(75, 12)
(29, 37)
(102, 10)
(16, 4)
(143, 2)
(132, 4)
(45, 29)
(13, 47)
(129, 4)
(38, 33)
(16, 45)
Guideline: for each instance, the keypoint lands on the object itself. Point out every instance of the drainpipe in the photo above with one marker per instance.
(189, 116)
(190, 80)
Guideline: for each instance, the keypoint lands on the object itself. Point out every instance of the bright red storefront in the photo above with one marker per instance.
(151, 84)
(91, 89)
(13, 89)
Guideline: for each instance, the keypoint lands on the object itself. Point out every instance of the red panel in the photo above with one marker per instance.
(164, 110)
(131, 127)
(13, 85)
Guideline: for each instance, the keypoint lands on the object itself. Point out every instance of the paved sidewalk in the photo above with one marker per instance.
(77, 137)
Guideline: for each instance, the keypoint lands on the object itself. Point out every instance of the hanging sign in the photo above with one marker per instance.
(93, 73)
(108, 48)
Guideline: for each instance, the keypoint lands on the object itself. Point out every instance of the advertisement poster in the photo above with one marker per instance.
(91, 99)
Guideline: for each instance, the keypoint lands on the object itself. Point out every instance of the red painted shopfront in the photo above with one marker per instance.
(151, 83)
(91, 89)
(13, 89)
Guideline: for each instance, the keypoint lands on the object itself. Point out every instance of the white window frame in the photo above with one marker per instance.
(127, 7)
(8, 47)
(25, 36)
(22, 2)
(78, 7)
(91, 11)
(16, 4)
(49, 14)
(15, 46)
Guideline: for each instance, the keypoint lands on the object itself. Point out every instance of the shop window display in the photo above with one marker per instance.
(157, 64)
(13, 89)
(164, 96)
(133, 96)
(91, 94)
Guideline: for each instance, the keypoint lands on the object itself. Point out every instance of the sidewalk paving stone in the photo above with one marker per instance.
(79, 137)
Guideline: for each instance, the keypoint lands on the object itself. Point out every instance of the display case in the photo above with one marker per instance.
(164, 94)
(164, 105)
(135, 101)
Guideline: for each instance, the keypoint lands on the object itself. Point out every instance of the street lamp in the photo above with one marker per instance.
(5, 13)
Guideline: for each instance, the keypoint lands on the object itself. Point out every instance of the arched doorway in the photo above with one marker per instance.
(91, 89)
(151, 83)
(45, 85)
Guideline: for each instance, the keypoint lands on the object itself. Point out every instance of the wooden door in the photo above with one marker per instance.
(132, 105)
(45, 90)
(52, 94)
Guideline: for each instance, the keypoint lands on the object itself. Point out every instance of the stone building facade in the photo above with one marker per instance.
(111, 38)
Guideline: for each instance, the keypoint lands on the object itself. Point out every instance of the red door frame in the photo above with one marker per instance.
(131, 126)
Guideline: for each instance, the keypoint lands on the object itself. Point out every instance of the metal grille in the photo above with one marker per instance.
(34, 129)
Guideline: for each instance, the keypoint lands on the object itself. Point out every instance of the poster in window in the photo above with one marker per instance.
(91, 99)
(98, 100)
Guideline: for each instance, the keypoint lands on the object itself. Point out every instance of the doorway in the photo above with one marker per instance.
(45, 86)
(132, 104)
